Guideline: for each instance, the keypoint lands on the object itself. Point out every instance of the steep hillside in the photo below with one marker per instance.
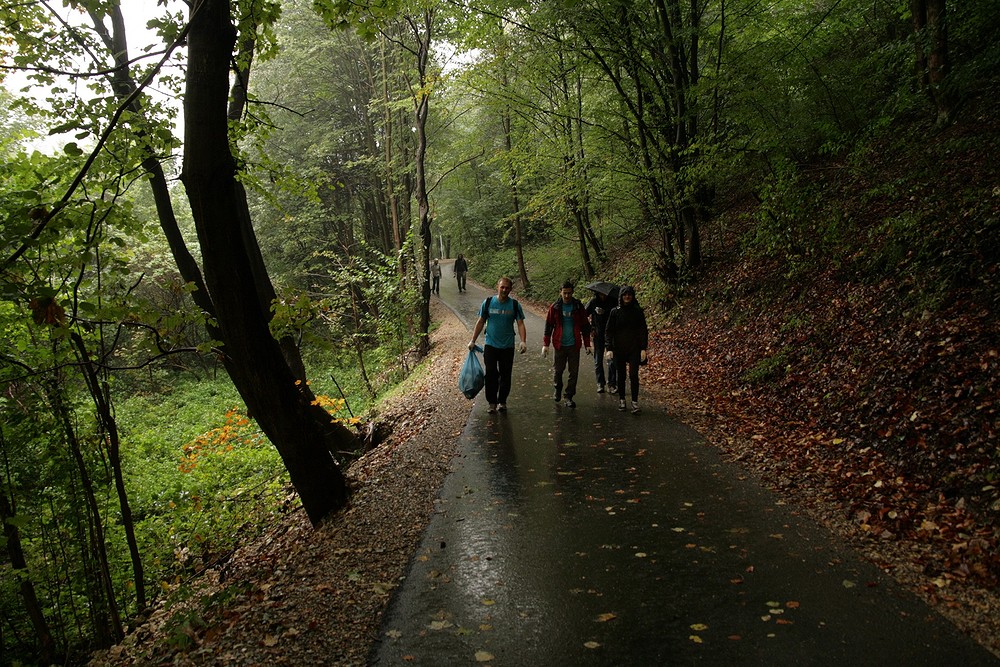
(845, 346)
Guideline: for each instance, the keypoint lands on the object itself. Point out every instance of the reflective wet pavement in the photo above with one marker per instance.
(596, 537)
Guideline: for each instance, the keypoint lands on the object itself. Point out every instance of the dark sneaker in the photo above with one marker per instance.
(613, 389)
(570, 403)
(502, 407)
(600, 389)
(635, 407)
(558, 396)
(621, 404)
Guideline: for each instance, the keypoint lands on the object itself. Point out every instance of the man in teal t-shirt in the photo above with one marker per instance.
(499, 314)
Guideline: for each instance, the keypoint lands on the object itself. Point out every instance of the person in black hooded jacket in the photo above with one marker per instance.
(627, 338)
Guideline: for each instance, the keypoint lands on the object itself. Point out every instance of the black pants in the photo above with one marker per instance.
(632, 360)
(436, 284)
(499, 363)
(599, 362)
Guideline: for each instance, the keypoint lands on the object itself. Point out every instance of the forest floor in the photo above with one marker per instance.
(314, 596)
(835, 390)
(301, 596)
(861, 379)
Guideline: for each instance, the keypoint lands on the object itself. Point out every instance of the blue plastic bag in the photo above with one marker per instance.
(472, 377)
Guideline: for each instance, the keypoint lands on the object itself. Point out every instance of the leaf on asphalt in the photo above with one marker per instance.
(604, 618)
(792, 604)
(488, 602)
(592, 645)
(849, 584)
(483, 656)
(696, 639)
(640, 554)
(734, 638)
(393, 634)
(699, 627)
(441, 625)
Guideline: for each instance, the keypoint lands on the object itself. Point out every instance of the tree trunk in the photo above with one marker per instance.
(515, 197)
(238, 96)
(390, 178)
(422, 34)
(105, 415)
(103, 606)
(932, 61)
(43, 635)
(274, 397)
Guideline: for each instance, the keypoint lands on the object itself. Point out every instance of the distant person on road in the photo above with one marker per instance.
(499, 314)
(598, 308)
(567, 327)
(461, 270)
(627, 338)
(436, 278)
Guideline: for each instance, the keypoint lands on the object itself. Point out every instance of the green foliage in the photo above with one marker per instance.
(769, 369)
(797, 224)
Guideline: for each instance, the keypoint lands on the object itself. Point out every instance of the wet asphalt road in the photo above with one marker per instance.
(596, 537)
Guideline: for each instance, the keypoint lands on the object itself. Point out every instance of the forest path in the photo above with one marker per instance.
(597, 537)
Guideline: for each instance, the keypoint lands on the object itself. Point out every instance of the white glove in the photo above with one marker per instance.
(545, 350)
(472, 344)
(642, 356)
(609, 355)
(524, 348)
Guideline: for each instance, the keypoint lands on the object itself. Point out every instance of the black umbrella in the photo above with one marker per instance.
(603, 287)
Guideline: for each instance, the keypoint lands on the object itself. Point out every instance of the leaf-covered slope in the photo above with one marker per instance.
(858, 353)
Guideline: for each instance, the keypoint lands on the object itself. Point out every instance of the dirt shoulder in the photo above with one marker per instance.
(304, 596)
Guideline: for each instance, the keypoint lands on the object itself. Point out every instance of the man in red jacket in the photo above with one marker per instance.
(567, 327)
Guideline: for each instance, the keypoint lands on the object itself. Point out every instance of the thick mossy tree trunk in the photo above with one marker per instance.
(275, 398)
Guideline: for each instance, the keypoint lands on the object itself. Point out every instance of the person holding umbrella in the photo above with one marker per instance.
(627, 338)
(598, 308)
